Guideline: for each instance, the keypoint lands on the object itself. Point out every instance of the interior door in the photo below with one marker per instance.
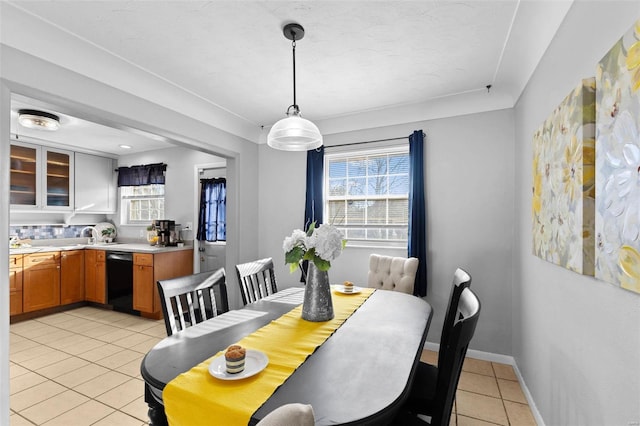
(212, 256)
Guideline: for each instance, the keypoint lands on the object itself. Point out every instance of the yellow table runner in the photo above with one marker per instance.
(196, 398)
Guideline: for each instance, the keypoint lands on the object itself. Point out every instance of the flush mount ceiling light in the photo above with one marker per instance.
(40, 120)
(294, 133)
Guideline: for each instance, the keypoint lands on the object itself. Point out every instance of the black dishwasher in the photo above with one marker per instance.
(120, 281)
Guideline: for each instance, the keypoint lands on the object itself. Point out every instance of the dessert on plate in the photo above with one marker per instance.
(235, 356)
(347, 287)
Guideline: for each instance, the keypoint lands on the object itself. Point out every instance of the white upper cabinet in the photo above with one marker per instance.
(95, 189)
(41, 178)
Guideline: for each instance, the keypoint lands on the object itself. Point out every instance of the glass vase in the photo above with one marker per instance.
(317, 305)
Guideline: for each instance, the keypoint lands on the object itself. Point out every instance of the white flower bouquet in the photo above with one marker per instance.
(320, 245)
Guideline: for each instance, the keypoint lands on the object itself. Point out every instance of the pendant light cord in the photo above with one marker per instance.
(293, 43)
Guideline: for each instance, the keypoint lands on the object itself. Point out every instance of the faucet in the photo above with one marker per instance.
(94, 233)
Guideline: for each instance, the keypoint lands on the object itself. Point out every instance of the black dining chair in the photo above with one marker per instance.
(433, 389)
(461, 280)
(192, 299)
(256, 279)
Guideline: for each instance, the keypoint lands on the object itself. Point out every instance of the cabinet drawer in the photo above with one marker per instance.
(15, 261)
(52, 258)
(101, 256)
(142, 259)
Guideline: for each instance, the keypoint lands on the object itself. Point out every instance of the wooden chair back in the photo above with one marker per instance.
(452, 356)
(256, 279)
(461, 280)
(192, 299)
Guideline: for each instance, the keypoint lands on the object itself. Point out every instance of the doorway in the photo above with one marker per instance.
(210, 256)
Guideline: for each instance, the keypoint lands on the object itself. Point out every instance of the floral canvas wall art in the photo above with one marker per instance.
(564, 182)
(618, 163)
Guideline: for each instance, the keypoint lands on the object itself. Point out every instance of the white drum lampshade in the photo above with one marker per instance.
(294, 133)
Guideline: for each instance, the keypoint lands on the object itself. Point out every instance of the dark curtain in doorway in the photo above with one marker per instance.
(212, 221)
(417, 211)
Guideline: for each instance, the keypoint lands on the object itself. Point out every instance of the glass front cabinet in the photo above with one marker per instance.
(41, 178)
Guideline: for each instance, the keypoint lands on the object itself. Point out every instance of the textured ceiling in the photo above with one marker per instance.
(356, 56)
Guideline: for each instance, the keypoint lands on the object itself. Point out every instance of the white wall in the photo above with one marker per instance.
(469, 181)
(576, 339)
(5, 105)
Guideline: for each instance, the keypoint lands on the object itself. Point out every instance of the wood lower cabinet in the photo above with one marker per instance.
(143, 283)
(95, 277)
(72, 285)
(150, 268)
(15, 284)
(46, 280)
(41, 281)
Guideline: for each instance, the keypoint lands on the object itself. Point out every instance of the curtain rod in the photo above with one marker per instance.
(377, 140)
(117, 169)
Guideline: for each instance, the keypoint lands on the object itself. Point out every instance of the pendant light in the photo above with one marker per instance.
(41, 120)
(294, 133)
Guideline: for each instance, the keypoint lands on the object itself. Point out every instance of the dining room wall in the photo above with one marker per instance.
(576, 339)
(469, 184)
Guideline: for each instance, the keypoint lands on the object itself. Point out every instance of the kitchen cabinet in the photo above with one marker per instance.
(143, 282)
(24, 176)
(40, 178)
(72, 285)
(58, 185)
(150, 268)
(95, 186)
(41, 281)
(15, 284)
(95, 279)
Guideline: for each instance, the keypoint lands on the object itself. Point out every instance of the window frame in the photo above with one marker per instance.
(125, 205)
(366, 152)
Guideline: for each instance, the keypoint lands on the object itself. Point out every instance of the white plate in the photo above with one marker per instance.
(340, 289)
(254, 362)
(102, 226)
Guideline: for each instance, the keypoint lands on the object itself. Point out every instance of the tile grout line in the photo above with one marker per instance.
(504, 407)
(129, 377)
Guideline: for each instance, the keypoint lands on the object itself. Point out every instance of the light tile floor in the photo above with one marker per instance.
(488, 394)
(82, 367)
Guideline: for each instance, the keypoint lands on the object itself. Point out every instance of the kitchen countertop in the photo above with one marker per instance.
(126, 247)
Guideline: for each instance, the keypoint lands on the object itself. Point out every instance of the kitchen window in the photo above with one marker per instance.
(367, 195)
(142, 204)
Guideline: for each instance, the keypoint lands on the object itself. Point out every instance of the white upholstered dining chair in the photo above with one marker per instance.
(392, 273)
(293, 414)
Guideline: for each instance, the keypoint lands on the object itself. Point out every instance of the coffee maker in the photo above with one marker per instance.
(165, 229)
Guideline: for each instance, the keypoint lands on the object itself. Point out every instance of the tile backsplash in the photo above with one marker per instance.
(47, 232)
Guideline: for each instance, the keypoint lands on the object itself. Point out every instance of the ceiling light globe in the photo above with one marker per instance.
(294, 133)
(41, 120)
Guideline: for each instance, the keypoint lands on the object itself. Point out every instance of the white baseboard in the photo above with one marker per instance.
(502, 359)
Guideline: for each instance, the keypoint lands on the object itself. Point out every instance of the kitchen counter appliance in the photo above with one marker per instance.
(166, 232)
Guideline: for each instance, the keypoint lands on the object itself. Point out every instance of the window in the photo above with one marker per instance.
(142, 204)
(367, 195)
